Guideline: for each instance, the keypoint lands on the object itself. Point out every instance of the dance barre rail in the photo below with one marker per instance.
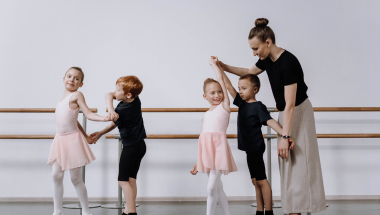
(234, 136)
(47, 110)
(191, 136)
(316, 109)
(35, 110)
(267, 136)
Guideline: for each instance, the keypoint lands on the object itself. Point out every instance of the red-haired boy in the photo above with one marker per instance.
(128, 118)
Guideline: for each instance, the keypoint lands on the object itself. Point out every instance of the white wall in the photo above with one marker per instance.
(167, 44)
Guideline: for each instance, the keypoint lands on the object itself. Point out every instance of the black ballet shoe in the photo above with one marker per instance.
(132, 214)
(259, 212)
(268, 212)
(124, 213)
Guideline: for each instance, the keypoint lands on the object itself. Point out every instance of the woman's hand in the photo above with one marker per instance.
(95, 136)
(291, 142)
(283, 148)
(213, 60)
(222, 65)
(194, 171)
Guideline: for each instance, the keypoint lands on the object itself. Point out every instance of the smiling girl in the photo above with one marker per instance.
(70, 149)
(214, 153)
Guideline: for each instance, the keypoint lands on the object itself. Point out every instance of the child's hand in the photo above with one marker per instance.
(95, 136)
(194, 171)
(291, 142)
(113, 116)
(110, 117)
(90, 140)
(213, 60)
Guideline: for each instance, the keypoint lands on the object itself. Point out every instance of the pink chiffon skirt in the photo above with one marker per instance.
(214, 153)
(70, 151)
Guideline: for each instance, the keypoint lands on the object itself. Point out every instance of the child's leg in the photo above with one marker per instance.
(57, 188)
(129, 195)
(266, 191)
(259, 196)
(223, 202)
(76, 179)
(133, 183)
(212, 190)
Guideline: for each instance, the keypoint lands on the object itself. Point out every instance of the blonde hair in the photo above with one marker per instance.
(209, 81)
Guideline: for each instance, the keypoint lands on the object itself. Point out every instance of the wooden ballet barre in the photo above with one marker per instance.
(35, 110)
(316, 109)
(191, 136)
(27, 136)
(234, 136)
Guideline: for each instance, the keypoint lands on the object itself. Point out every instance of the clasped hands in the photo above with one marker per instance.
(93, 138)
(284, 146)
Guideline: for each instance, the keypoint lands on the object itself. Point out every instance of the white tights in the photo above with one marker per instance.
(76, 179)
(216, 193)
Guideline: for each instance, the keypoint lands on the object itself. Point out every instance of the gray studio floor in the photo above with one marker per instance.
(370, 207)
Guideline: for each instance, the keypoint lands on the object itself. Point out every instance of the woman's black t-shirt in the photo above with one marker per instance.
(130, 122)
(286, 70)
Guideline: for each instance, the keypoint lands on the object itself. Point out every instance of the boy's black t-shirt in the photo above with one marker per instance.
(251, 116)
(286, 70)
(130, 122)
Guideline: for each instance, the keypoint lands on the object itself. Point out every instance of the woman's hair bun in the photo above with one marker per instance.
(261, 22)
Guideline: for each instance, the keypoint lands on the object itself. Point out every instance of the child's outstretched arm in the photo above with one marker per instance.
(277, 127)
(219, 76)
(79, 99)
(96, 135)
(111, 110)
(229, 86)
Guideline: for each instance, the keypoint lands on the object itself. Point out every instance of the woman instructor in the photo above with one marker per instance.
(302, 188)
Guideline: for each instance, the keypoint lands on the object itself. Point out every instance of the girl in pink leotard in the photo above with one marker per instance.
(214, 153)
(70, 149)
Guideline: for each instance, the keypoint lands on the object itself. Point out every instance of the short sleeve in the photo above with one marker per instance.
(260, 64)
(118, 121)
(238, 100)
(264, 115)
(290, 72)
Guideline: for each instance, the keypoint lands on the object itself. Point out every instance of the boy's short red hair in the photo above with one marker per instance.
(130, 84)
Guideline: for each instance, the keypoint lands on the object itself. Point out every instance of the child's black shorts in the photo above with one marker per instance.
(256, 164)
(130, 160)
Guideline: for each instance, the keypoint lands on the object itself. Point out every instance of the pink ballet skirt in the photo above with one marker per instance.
(70, 148)
(214, 152)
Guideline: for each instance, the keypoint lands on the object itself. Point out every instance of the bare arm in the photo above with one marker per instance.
(290, 99)
(275, 126)
(109, 128)
(218, 73)
(229, 86)
(89, 139)
(97, 135)
(109, 102)
(240, 71)
(79, 99)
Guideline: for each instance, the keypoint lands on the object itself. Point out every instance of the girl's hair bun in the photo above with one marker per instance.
(261, 22)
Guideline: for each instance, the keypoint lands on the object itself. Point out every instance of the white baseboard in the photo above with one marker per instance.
(176, 198)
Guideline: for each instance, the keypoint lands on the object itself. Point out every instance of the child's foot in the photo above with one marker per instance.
(259, 212)
(268, 212)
